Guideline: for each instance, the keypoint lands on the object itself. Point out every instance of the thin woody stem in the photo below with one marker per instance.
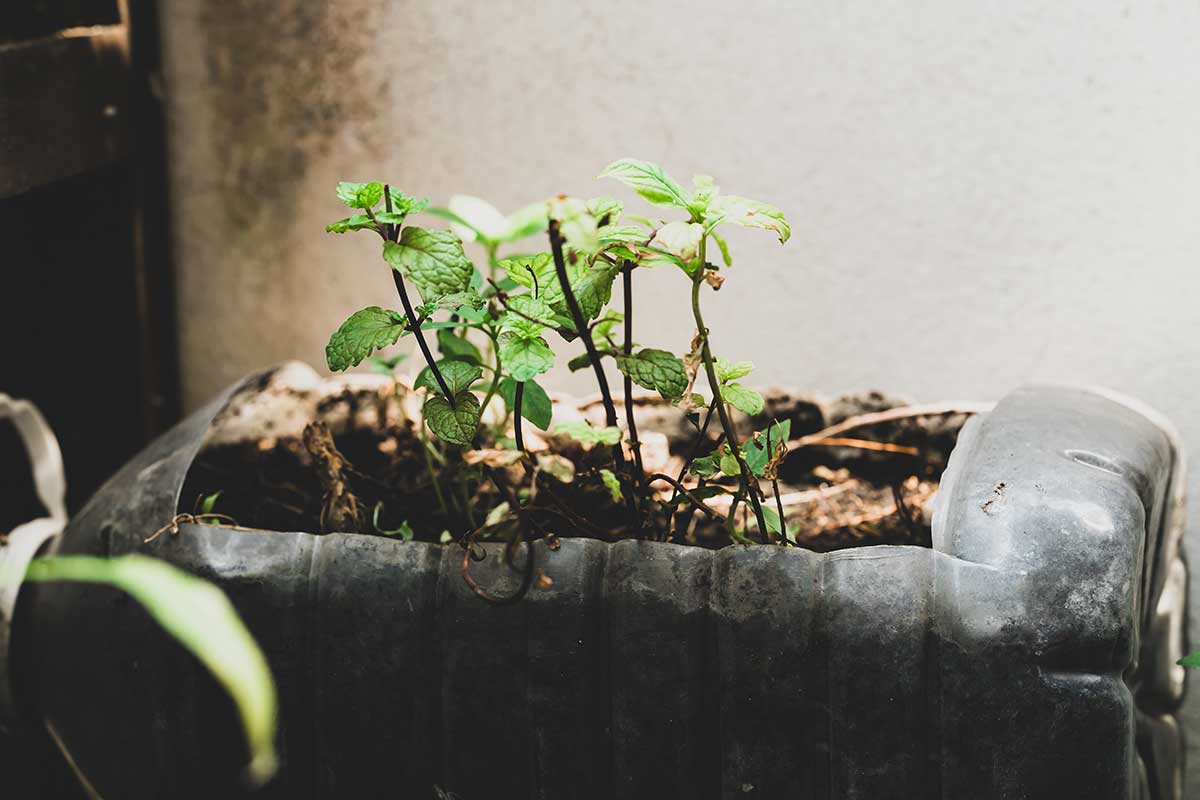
(610, 411)
(639, 474)
(748, 480)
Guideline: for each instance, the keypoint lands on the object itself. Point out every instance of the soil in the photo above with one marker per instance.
(835, 497)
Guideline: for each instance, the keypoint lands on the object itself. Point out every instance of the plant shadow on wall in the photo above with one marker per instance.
(475, 449)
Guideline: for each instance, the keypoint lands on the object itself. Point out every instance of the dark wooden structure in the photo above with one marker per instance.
(86, 297)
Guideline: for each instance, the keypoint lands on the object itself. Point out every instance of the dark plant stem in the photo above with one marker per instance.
(639, 473)
(420, 334)
(681, 489)
(748, 480)
(691, 456)
(387, 203)
(585, 333)
(518, 434)
(779, 509)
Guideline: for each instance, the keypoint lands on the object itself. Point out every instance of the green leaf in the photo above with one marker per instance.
(1192, 661)
(385, 366)
(456, 348)
(581, 361)
(606, 210)
(584, 432)
(681, 239)
(758, 449)
(706, 190)
(558, 467)
(454, 425)
(729, 464)
(527, 316)
(356, 223)
(535, 403)
(612, 483)
(655, 369)
(593, 290)
(459, 375)
(481, 217)
(535, 272)
(201, 618)
(405, 531)
(525, 357)
(433, 260)
(525, 222)
(577, 226)
(706, 466)
(724, 245)
(727, 371)
(360, 195)
(747, 213)
(771, 517)
(361, 335)
(605, 324)
(455, 301)
(649, 181)
(742, 398)
(403, 205)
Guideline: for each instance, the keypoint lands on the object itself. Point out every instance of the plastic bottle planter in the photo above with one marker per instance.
(1028, 654)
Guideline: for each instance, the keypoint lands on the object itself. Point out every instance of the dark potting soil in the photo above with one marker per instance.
(834, 496)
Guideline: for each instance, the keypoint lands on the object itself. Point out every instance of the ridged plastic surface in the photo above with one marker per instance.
(997, 665)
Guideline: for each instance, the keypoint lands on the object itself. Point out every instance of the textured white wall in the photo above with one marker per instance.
(982, 194)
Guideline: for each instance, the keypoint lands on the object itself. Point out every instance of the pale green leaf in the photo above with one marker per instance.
(727, 371)
(361, 335)
(201, 618)
(649, 181)
(403, 205)
(578, 228)
(747, 213)
(681, 239)
(558, 467)
(527, 316)
(535, 272)
(724, 245)
(584, 432)
(455, 301)
(606, 210)
(482, 218)
(525, 222)
(658, 370)
(453, 425)
(433, 260)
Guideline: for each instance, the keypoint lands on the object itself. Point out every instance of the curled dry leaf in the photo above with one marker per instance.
(493, 458)
(714, 279)
(556, 466)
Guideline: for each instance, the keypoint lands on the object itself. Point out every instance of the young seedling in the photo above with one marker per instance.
(526, 301)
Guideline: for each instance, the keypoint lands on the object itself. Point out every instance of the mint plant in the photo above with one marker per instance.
(497, 332)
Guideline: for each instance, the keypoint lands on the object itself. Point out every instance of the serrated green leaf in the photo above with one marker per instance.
(361, 335)
(727, 371)
(459, 376)
(360, 195)
(758, 449)
(404, 205)
(747, 213)
(593, 290)
(201, 618)
(525, 357)
(612, 483)
(453, 425)
(456, 348)
(586, 433)
(742, 398)
(658, 370)
(527, 316)
(649, 181)
(535, 403)
(433, 260)
(356, 223)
